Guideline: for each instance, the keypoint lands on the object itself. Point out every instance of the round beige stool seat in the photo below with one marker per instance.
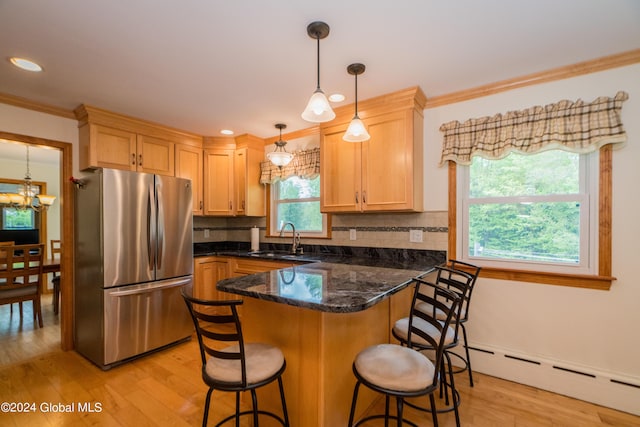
(392, 367)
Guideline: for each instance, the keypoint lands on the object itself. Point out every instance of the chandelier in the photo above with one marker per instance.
(280, 157)
(27, 196)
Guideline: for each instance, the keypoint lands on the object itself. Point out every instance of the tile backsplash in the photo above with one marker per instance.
(372, 230)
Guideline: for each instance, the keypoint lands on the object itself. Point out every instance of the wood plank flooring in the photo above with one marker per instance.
(165, 389)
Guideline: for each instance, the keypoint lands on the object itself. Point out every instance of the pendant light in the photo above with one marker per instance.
(280, 157)
(356, 132)
(318, 109)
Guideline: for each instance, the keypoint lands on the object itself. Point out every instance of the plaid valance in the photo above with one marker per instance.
(572, 126)
(305, 164)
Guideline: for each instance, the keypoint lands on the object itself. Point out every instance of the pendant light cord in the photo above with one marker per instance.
(318, 62)
(356, 95)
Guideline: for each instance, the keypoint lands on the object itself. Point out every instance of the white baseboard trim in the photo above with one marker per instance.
(602, 388)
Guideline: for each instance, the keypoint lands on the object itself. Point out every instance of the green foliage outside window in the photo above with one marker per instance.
(298, 202)
(526, 207)
(18, 219)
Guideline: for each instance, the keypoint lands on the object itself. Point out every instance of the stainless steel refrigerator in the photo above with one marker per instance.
(133, 253)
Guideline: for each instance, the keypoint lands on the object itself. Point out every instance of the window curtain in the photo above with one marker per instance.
(577, 126)
(305, 164)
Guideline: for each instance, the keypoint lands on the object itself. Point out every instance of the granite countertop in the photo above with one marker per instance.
(410, 259)
(324, 286)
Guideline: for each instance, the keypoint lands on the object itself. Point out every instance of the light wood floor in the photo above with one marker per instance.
(165, 389)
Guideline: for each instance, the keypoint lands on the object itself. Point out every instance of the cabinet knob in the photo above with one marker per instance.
(357, 197)
(133, 158)
(140, 160)
(364, 197)
(201, 205)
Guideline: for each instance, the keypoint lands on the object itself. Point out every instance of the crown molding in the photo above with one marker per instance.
(564, 72)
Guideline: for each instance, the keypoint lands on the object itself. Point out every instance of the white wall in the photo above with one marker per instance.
(591, 331)
(31, 123)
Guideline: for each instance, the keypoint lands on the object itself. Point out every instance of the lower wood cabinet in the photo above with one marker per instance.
(244, 266)
(209, 270)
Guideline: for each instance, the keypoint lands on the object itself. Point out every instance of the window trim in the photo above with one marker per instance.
(602, 280)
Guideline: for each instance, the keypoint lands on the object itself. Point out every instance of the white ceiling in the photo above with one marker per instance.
(202, 66)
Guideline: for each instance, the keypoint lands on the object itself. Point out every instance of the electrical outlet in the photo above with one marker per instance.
(415, 236)
(206, 233)
(352, 234)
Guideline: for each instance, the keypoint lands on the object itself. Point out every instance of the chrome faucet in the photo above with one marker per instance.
(295, 244)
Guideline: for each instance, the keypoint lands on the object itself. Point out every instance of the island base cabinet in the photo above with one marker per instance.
(319, 348)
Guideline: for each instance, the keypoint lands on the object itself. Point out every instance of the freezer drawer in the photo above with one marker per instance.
(144, 317)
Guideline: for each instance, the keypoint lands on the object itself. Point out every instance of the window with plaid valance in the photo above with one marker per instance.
(305, 164)
(577, 126)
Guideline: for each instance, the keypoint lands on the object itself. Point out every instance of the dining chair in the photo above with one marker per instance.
(401, 371)
(56, 249)
(10, 243)
(21, 276)
(229, 363)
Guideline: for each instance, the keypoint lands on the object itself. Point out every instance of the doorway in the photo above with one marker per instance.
(66, 228)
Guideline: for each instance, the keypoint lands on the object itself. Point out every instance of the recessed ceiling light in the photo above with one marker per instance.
(336, 97)
(25, 64)
(226, 132)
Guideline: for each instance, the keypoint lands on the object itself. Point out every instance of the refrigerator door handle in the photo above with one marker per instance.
(160, 217)
(151, 288)
(151, 227)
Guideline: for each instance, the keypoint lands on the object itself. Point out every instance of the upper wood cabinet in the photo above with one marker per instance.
(112, 140)
(250, 195)
(189, 164)
(384, 174)
(218, 182)
(232, 176)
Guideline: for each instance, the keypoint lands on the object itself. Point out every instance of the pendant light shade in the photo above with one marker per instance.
(356, 132)
(318, 108)
(280, 157)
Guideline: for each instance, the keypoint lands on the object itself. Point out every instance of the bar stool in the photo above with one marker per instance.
(474, 271)
(459, 283)
(403, 372)
(228, 362)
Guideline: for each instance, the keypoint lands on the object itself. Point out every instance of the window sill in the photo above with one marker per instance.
(574, 280)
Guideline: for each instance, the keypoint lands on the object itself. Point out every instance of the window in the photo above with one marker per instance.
(532, 212)
(18, 219)
(297, 200)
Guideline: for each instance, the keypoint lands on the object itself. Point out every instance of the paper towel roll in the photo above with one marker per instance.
(255, 238)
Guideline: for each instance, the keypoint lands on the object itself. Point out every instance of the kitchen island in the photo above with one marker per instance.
(321, 315)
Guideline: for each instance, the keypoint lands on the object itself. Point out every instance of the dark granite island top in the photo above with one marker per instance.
(323, 286)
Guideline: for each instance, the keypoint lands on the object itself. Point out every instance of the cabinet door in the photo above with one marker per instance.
(240, 180)
(155, 155)
(189, 165)
(208, 271)
(111, 148)
(388, 163)
(249, 193)
(218, 182)
(340, 182)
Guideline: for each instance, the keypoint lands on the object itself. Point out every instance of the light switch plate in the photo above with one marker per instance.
(415, 236)
(352, 234)
(206, 232)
